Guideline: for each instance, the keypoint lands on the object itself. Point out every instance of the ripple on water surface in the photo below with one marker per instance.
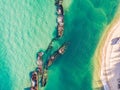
(26, 27)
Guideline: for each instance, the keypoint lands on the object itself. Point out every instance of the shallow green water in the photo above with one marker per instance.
(27, 26)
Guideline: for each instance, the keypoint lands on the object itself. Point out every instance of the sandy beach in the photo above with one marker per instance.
(107, 58)
(110, 73)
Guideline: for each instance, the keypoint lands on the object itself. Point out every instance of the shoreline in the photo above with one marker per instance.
(98, 56)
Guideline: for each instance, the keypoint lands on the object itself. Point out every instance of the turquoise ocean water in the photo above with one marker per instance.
(27, 26)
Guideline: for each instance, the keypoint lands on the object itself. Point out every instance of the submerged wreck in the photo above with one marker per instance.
(44, 77)
(34, 81)
(40, 62)
(60, 18)
(60, 51)
(58, 2)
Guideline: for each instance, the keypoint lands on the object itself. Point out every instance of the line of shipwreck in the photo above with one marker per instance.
(40, 75)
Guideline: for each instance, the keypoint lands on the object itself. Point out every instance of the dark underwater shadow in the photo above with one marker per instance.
(30, 74)
(83, 30)
(28, 88)
(78, 28)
